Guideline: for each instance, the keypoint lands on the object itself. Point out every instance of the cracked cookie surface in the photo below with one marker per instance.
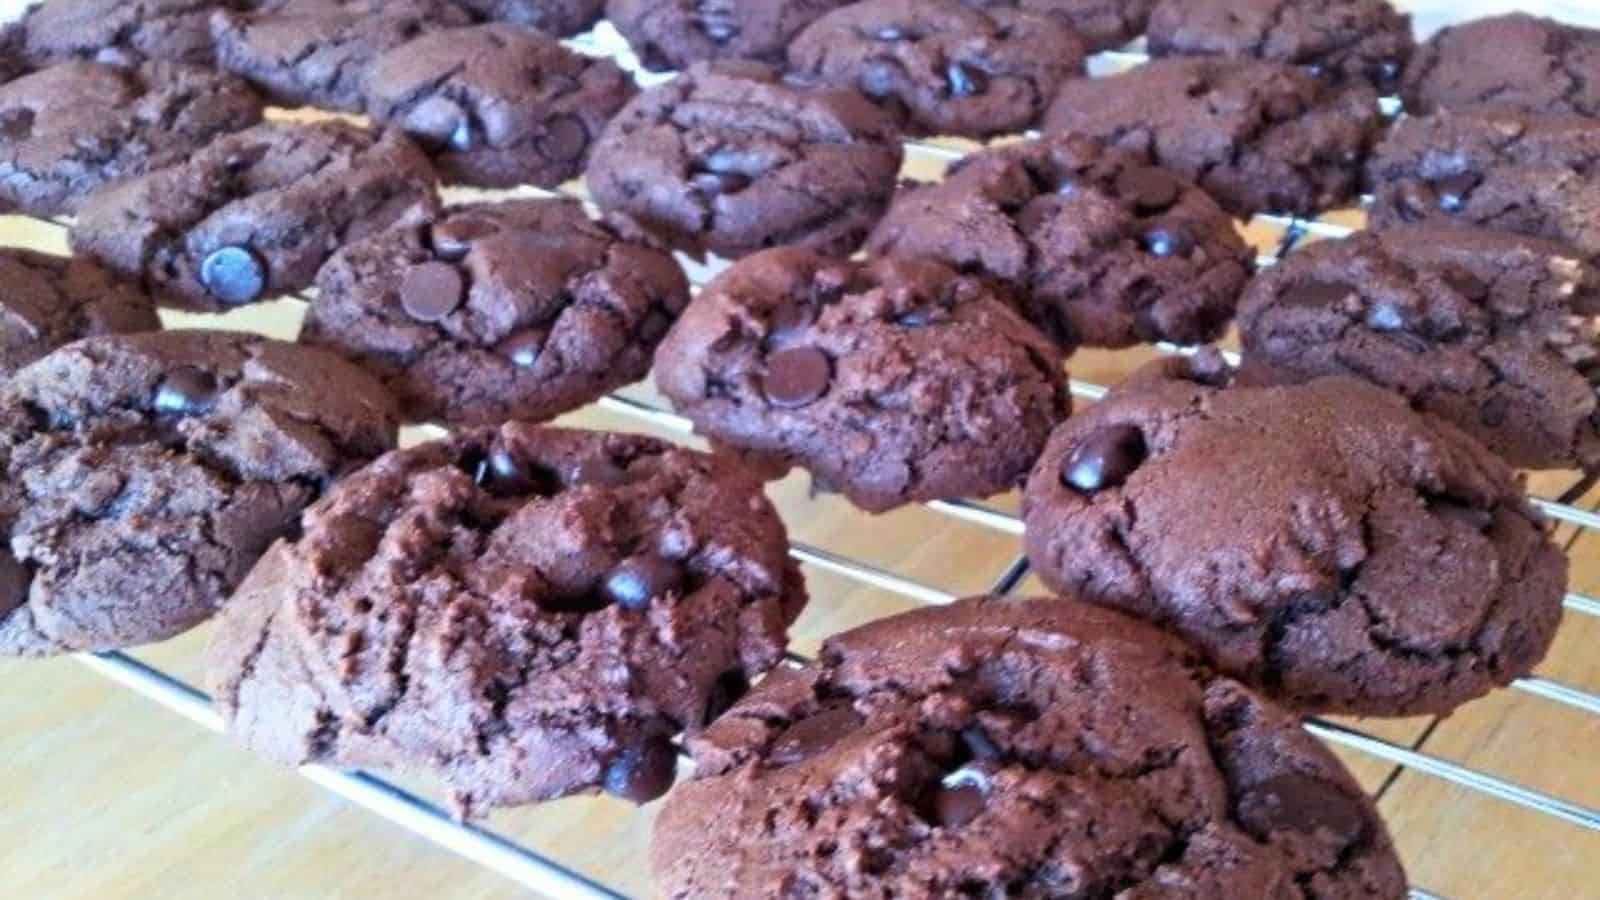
(1101, 248)
(123, 32)
(254, 214)
(942, 67)
(893, 381)
(675, 34)
(47, 301)
(70, 128)
(1514, 62)
(1491, 331)
(498, 105)
(1015, 747)
(524, 612)
(1257, 136)
(146, 473)
(562, 18)
(1321, 542)
(731, 158)
(517, 310)
(1100, 24)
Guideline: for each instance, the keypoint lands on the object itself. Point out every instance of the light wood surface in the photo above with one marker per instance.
(109, 796)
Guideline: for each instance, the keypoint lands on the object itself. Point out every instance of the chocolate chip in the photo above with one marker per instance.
(1493, 412)
(725, 692)
(523, 348)
(787, 322)
(961, 797)
(431, 291)
(452, 239)
(720, 33)
(464, 137)
(1169, 239)
(920, 317)
(643, 772)
(814, 734)
(16, 124)
(797, 377)
(234, 275)
(1385, 71)
(1303, 804)
(978, 743)
(1466, 284)
(565, 139)
(1105, 459)
(1386, 317)
(1318, 294)
(889, 34)
(1416, 200)
(719, 173)
(504, 474)
(1150, 189)
(641, 578)
(1453, 191)
(599, 470)
(1454, 511)
(965, 80)
(186, 391)
(14, 581)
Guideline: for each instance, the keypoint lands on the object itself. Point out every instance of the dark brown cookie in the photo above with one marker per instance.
(1024, 748)
(1493, 332)
(523, 612)
(1514, 62)
(732, 158)
(499, 104)
(1321, 542)
(1101, 24)
(674, 34)
(144, 475)
(518, 310)
(1341, 40)
(1258, 136)
(47, 301)
(124, 32)
(561, 18)
(255, 214)
(70, 128)
(943, 67)
(1100, 248)
(894, 381)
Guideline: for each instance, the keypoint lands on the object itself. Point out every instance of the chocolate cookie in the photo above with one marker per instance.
(731, 158)
(1020, 748)
(146, 473)
(254, 214)
(524, 612)
(1513, 62)
(502, 104)
(1321, 542)
(124, 32)
(1341, 40)
(674, 34)
(1493, 332)
(517, 310)
(1258, 136)
(317, 52)
(1100, 24)
(561, 18)
(894, 381)
(941, 66)
(1100, 248)
(1524, 174)
(70, 128)
(47, 301)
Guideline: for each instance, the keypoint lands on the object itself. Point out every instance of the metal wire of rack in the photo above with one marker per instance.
(547, 875)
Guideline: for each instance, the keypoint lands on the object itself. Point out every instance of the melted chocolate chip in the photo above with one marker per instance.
(1169, 239)
(234, 275)
(814, 734)
(504, 474)
(565, 139)
(719, 173)
(978, 743)
(1151, 190)
(1385, 72)
(452, 239)
(961, 797)
(465, 136)
(643, 772)
(641, 578)
(1303, 804)
(1105, 459)
(431, 291)
(965, 80)
(725, 692)
(14, 581)
(1386, 317)
(1453, 191)
(523, 348)
(1466, 284)
(1318, 294)
(186, 391)
(1416, 200)
(889, 34)
(797, 377)
(720, 33)
(599, 470)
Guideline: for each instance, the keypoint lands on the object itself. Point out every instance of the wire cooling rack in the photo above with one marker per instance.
(547, 874)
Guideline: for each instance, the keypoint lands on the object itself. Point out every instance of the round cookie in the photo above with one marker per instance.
(123, 32)
(943, 67)
(255, 214)
(1257, 136)
(524, 612)
(1100, 24)
(1513, 172)
(516, 310)
(70, 128)
(562, 18)
(47, 301)
(1321, 542)
(675, 34)
(502, 104)
(893, 381)
(1514, 62)
(1015, 747)
(732, 158)
(144, 474)
(317, 52)
(1099, 248)
(1493, 332)
(1341, 40)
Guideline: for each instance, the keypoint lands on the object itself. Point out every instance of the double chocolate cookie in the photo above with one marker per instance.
(47, 301)
(1258, 136)
(123, 32)
(561, 18)
(1099, 247)
(70, 128)
(1321, 542)
(1340, 40)
(893, 382)
(1493, 332)
(518, 310)
(499, 104)
(1100, 24)
(674, 34)
(1513, 62)
(1525, 174)
(732, 158)
(941, 66)
(1023, 748)
(255, 214)
(524, 612)
(144, 475)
